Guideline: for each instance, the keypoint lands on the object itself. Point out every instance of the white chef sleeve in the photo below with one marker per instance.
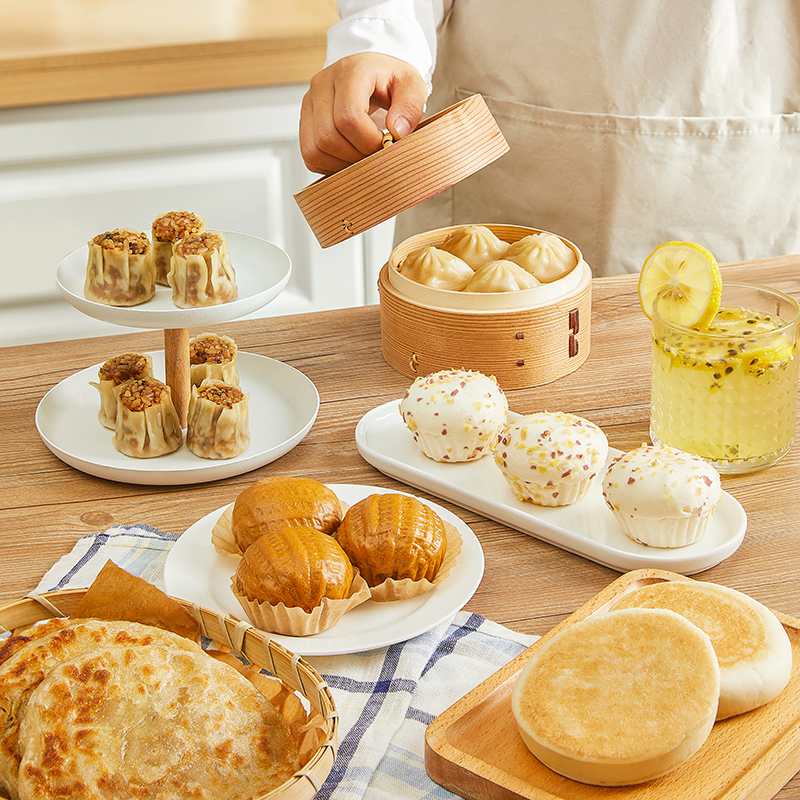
(405, 29)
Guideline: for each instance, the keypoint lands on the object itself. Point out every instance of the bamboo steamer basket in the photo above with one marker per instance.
(442, 150)
(525, 338)
(242, 639)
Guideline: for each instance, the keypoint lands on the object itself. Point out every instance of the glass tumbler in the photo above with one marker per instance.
(729, 393)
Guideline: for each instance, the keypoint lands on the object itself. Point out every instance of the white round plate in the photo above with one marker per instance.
(587, 527)
(194, 571)
(262, 271)
(283, 406)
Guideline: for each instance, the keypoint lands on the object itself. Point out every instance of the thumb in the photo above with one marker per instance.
(405, 112)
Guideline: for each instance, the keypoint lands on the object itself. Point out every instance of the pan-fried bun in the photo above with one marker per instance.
(753, 649)
(21, 673)
(151, 722)
(619, 698)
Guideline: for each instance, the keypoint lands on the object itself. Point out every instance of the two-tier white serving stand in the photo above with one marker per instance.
(283, 402)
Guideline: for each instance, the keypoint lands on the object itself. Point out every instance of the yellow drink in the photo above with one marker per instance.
(728, 393)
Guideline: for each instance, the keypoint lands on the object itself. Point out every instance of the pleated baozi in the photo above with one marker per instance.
(436, 268)
(546, 256)
(475, 244)
(501, 276)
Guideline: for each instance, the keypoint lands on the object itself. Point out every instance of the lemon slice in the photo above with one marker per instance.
(691, 276)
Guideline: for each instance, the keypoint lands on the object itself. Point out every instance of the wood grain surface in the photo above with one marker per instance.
(45, 506)
(56, 51)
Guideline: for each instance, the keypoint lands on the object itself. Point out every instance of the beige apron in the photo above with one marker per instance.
(630, 123)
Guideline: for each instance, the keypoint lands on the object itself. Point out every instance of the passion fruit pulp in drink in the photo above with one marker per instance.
(736, 339)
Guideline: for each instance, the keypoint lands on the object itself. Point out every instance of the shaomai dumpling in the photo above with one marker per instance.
(546, 256)
(217, 424)
(167, 229)
(436, 268)
(200, 271)
(475, 244)
(213, 356)
(115, 371)
(501, 276)
(120, 269)
(147, 423)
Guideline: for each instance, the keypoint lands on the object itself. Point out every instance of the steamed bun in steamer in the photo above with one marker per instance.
(475, 244)
(546, 256)
(500, 276)
(436, 268)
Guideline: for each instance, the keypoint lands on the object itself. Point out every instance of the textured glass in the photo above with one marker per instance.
(729, 394)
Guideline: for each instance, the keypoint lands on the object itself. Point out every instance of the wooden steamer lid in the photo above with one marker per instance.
(442, 150)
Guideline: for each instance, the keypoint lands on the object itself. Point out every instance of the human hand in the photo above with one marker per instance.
(336, 128)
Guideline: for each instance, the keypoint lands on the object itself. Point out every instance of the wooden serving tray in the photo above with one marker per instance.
(442, 150)
(475, 750)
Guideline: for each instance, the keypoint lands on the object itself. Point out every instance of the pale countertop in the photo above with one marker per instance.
(56, 51)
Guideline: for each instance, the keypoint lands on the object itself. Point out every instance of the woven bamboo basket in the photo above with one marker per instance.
(242, 639)
(526, 338)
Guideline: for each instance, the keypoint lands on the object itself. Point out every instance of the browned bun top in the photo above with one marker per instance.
(283, 501)
(393, 536)
(296, 566)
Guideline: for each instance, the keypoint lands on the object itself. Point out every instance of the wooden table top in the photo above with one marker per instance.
(58, 51)
(528, 585)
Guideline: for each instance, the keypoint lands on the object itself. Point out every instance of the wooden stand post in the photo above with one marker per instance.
(178, 369)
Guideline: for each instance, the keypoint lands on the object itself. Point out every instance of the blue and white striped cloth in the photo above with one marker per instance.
(385, 698)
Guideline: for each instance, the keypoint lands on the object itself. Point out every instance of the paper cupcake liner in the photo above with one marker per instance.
(564, 494)
(294, 621)
(222, 534)
(439, 448)
(664, 532)
(391, 590)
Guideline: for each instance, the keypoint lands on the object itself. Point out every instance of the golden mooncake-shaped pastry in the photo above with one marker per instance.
(393, 536)
(200, 272)
(167, 229)
(120, 269)
(115, 371)
(147, 423)
(213, 356)
(218, 423)
(282, 501)
(294, 566)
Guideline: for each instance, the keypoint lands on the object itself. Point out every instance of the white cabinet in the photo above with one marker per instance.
(69, 172)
